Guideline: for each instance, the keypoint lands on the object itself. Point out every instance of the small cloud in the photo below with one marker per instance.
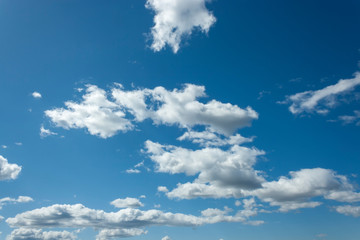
(18, 144)
(166, 238)
(127, 203)
(46, 132)
(36, 95)
(133, 171)
(237, 203)
(4, 146)
(157, 205)
(162, 189)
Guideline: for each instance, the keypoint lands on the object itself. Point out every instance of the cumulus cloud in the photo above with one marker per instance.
(230, 173)
(127, 203)
(20, 199)
(36, 95)
(96, 113)
(7, 170)
(105, 117)
(166, 238)
(125, 222)
(321, 100)
(175, 19)
(349, 210)
(231, 168)
(38, 234)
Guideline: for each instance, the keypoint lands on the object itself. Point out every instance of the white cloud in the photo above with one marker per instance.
(96, 113)
(7, 170)
(130, 221)
(36, 95)
(46, 132)
(162, 189)
(180, 107)
(208, 139)
(349, 210)
(166, 238)
(293, 193)
(38, 234)
(20, 199)
(175, 19)
(321, 100)
(133, 170)
(104, 118)
(105, 234)
(221, 169)
(4, 146)
(127, 203)
(18, 144)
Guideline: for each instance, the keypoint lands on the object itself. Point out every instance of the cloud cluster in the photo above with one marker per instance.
(104, 117)
(7, 170)
(175, 19)
(321, 100)
(124, 223)
(38, 234)
(230, 173)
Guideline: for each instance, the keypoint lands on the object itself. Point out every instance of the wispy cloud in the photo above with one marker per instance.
(320, 101)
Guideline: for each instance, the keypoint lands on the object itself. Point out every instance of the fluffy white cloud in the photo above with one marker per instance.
(175, 19)
(321, 100)
(349, 210)
(166, 238)
(127, 203)
(7, 170)
(293, 193)
(230, 168)
(20, 199)
(230, 174)
(38, 234)
(125, 222)
(36, 95)
(104, 117)
(96, 113)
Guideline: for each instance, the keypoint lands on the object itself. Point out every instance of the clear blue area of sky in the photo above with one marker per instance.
(56, 46)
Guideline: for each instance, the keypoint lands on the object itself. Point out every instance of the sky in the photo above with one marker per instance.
(179, 119)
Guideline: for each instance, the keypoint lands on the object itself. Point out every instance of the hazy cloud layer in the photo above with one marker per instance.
(176, 19)
(8, 170)
(321, 100)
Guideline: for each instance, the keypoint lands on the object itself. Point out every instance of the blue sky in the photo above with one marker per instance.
(179, 119)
